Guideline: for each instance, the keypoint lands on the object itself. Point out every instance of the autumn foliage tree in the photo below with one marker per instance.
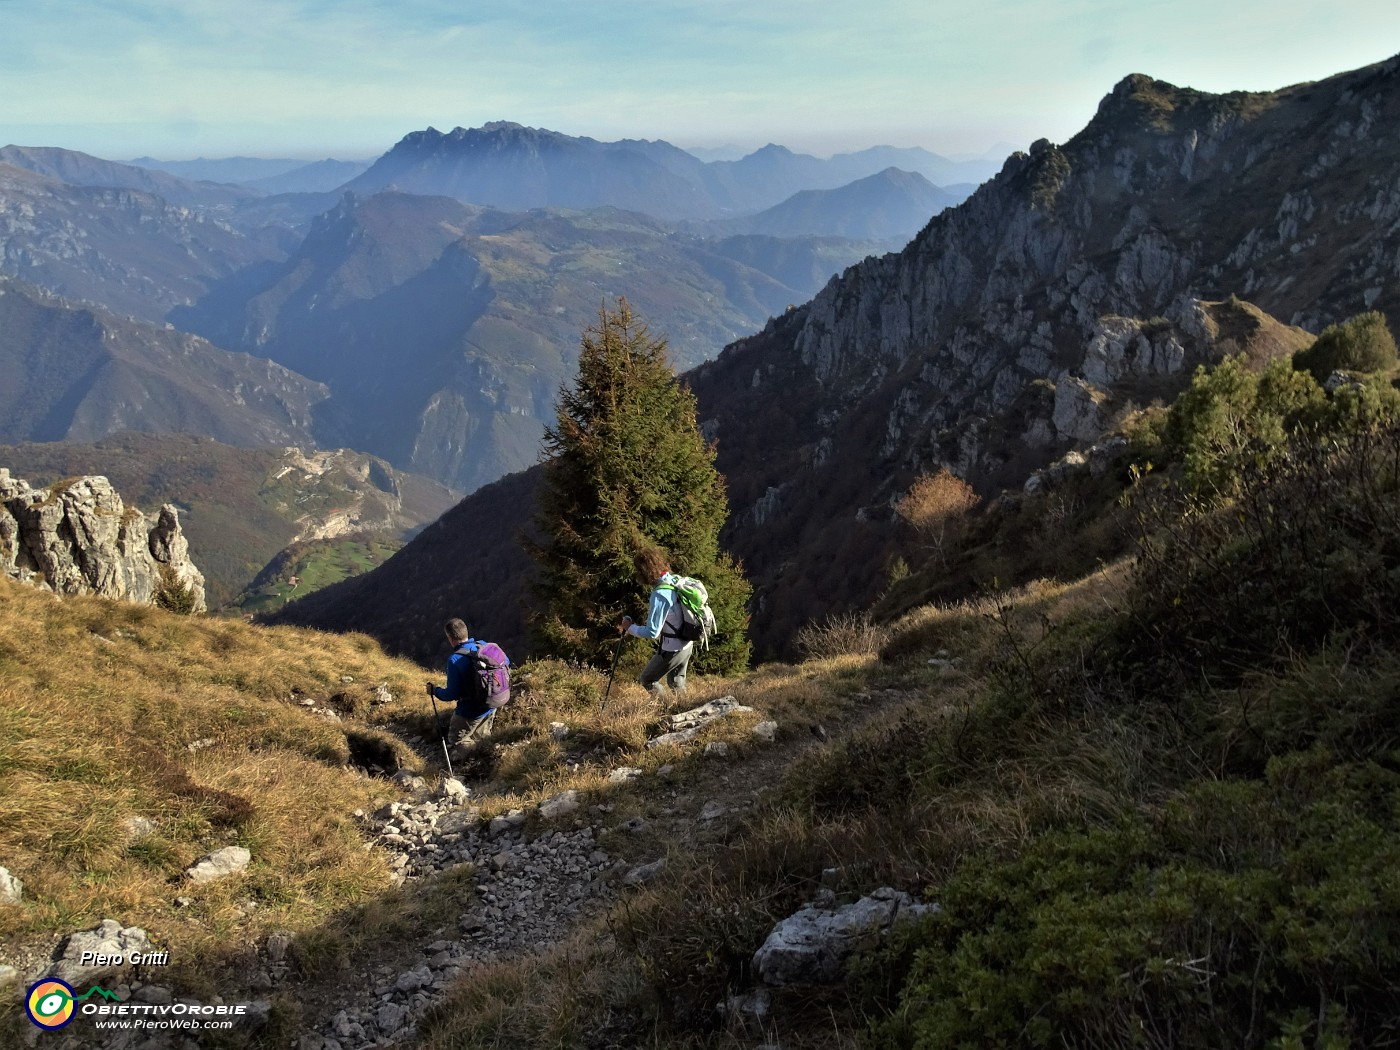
(934, 507)
(626, 466)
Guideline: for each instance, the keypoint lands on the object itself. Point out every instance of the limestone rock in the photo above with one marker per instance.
(644, 873)
(138, 828)
(812, 946)
(80, 538)
(766, 732)
(11, 888)
(220, 864)
(278, 941)
(154, 994)
(1077, 415)
(687, 725)
(407, 780)
(505, 822)
(560, 805)
(453, 789)
(110, 940)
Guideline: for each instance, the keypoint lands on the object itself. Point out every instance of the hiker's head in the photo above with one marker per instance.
(651, 564)
(457, 632)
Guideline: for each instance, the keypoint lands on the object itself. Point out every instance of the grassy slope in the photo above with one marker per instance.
(1125, 854)
(317, 564)
(1104, 867)
(110, 711)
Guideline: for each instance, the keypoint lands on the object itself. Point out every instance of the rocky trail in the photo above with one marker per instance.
(491, 889)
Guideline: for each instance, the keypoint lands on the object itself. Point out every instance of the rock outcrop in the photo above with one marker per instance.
(996, 341)
(812, 946)
(77, 537)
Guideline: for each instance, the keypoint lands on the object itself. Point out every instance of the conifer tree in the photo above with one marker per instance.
(625, 467)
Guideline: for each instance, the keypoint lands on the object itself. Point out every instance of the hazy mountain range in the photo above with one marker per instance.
(266, 175)
(441, 330)
(1010, 328)
(238, 299)
(513, 167)
(891, 205)
(71, 373)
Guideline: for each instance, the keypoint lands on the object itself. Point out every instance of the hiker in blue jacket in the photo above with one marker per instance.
(471, 718)
(663, 624)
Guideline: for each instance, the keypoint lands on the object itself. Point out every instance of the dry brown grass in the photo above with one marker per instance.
(110, 711)
(93, 730)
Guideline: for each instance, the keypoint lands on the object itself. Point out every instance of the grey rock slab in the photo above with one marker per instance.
(11, 888)
(765, 732)
(138, 828)
(407, 780)
(641, 875)
(812, 946)
(560, 805)
(278, 941)
(686, 725)
(506, 822)
(453, 790)
(714, 809)
(154, 994)
(220, 864)
(110, 941)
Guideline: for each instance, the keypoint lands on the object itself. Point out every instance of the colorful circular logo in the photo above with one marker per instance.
(50, 1003)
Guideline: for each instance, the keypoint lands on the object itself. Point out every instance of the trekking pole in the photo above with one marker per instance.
(612, 671)
(442, 735)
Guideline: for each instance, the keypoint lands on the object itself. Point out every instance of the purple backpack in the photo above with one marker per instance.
(489, 681)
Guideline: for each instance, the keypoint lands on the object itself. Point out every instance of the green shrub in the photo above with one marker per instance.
(173, 595)
(1308, 551)
(1362, 344)
(1246, 914)
(1231, 417)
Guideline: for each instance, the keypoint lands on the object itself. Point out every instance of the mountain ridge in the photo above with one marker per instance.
(988, 343)
(514, 167)
(80, 372)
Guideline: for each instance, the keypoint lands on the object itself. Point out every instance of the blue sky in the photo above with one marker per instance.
(308, 78)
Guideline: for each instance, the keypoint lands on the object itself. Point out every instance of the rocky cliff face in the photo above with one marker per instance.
(995, 340)
(77, 537)
(130, 250)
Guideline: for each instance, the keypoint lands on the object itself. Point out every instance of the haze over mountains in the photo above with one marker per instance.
(513, 167)
(1009, 330)
(441, 322)
(71, 373)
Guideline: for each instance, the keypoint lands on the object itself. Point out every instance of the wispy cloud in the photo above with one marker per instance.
(208, 74)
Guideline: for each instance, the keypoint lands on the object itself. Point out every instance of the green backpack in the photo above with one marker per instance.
(697, 618)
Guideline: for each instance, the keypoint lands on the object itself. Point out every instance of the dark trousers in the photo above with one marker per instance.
(670, 666)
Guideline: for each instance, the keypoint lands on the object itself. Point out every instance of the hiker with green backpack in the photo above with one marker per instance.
(678, 617)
